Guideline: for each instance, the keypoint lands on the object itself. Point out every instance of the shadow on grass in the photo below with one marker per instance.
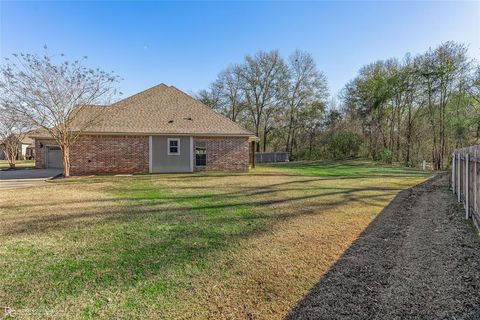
(155, 232)
(243, 192)
(42, 223)
(144, 242)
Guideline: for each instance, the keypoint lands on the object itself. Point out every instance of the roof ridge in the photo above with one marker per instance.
(210, 109)
(140, 93)
(93, 105)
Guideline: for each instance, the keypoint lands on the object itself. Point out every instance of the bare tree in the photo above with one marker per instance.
(267, 95)
(209, 98)
(413, 111)
(56, 95)
(440, 71)
(13, 129)
(262, 75)
(229, 86)
(306, 86)
(388, 109)
(226, 94)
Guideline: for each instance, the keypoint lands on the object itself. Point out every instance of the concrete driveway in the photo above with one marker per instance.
(23, 178)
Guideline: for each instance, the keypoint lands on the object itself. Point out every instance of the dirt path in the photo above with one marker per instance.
(420, 259)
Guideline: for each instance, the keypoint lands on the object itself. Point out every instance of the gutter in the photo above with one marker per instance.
(250, 136)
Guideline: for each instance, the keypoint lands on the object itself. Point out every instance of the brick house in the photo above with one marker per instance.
(161, 129)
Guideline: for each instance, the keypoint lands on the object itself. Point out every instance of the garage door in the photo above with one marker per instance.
(54, 157)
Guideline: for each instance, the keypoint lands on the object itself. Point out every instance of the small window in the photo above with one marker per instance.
(174, 147)
(200, 154)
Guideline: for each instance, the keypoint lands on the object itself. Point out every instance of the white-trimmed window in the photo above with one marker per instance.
(173, 145)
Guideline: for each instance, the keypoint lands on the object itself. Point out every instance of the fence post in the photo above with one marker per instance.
(458, 176)
(467, 208)
(453, 172)
(475, 181)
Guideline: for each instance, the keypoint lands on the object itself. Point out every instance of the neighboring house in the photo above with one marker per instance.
(25, 149)
(158, 130)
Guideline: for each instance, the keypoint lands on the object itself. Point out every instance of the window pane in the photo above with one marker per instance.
(200, 154)
(173, 146)
(200, 160)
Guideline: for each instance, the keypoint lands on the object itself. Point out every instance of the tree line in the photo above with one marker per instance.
(271, 96)
(396, 110)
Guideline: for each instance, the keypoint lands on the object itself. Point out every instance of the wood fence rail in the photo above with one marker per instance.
(465, 180)
(265, 157)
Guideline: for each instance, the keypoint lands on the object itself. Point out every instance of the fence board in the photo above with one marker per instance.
(465, 180)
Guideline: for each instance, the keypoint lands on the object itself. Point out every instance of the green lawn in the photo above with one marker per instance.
(356, 168)
(20, 164)
(206, 245)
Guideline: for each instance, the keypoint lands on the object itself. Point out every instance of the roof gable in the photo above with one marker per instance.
(163, 110)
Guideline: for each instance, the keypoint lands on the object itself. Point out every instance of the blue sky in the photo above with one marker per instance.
(186, 44)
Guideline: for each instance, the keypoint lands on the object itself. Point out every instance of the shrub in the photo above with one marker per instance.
(344, 144)
(385, 156)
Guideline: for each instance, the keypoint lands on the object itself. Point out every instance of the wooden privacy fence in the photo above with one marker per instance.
(465, 180)
(264, 157)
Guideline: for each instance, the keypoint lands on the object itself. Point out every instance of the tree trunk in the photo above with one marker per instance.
(257, 133)
(66, 161)
(290, 131)
(264, 140)
(266, 130)
(442, 137)
(11, 151)
(12, 161)
(409, 134)
(292, 140)
(399, 124)
(310, 145)
(287, 144)
(370, 138)
(391, 142)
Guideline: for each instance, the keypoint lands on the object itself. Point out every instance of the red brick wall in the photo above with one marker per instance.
(129, 154)
(226, 154)
(109, 155)
(40, 152)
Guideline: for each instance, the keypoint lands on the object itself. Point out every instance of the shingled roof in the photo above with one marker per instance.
(163, 110)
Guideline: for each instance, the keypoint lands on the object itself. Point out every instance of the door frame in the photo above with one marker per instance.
(150, 154)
